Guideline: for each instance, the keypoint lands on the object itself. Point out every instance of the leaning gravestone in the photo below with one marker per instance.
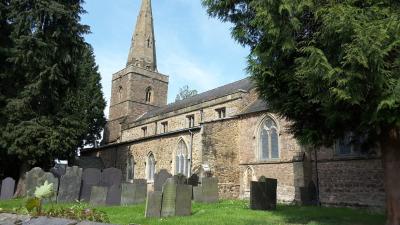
(160, 178)
(70, 185)
(263, 194)
(176, 199)
(90, 177)
(111, 178)
(153, 204)
(98, 195)
(134, 193)
(207, 192)
(7, 188)
(37, 177)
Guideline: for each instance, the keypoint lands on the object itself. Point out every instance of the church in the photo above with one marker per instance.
(227, 132)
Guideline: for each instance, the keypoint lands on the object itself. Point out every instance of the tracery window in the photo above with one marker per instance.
(150, 167)
(149, 93)
(182, 159)
(269, 140)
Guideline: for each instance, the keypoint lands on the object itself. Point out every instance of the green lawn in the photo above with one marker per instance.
(237, 212)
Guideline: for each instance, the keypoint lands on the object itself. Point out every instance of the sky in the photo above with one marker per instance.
(192, 48)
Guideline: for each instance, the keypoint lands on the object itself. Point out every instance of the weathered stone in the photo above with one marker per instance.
(111, 177)
(183, 204)
(169, 198)
(134, 193)
(153, 204)
(7, 188)
(12, 219)
(263, 195)
(70, 185)
(49, 221)
(90, 177)
(37, 177)
(198, 194)
(160, 178)
(113, 195)
(98, 195)
(180, 179)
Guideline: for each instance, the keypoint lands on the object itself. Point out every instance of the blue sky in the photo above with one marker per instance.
(192, 48)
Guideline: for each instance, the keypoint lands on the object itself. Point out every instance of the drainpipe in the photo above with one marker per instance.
(191, 152)
(317, 175)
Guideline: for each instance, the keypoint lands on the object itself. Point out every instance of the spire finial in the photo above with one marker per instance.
(143, 52)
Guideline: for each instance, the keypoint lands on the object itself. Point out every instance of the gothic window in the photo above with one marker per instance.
(182, 159)
(130, 169)
(269, 140)
(247, 178)
(150, 167)
(149, 93)
(120, 93)
(144, 130)
(164, 127)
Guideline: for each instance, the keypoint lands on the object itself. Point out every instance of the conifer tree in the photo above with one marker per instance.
(330, 66)
(54, 103)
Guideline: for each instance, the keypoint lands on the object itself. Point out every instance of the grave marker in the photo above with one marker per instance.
(70, 185)
(7, 188)
(263, 194)
(153, 204)
(98, 195)
(90, 177)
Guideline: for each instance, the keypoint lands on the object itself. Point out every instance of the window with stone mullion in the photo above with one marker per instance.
(269, 139)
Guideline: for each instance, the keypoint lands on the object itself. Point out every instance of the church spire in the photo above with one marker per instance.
(143, 52)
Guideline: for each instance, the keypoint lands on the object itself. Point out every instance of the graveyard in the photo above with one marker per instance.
(102, 196)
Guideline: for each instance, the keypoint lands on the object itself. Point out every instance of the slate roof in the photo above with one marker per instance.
(257, 106)
(241, 85)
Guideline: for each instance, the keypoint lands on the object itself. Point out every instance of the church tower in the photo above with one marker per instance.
(138, 88)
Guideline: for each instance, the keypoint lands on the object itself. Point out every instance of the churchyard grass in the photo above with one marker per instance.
(235, 212)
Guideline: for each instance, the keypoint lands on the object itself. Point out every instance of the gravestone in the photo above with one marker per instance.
(36, 177)
(98, 195)
(134, 193)
(176, 199)
(169, 198)
(153, 204)
(180, 179)
(209, 188)
(183, 203)
(198, 194)
(111, 178)
(193, 180)
(70, 185)
(308, 194)
(160, 178)
(7, 188)
(263, 194)
(90, 177)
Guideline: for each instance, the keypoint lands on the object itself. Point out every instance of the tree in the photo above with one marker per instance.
(53, 102)
(185, 93)
(331, 67)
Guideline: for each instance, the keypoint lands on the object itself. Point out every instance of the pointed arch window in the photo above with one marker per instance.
(150, 167)
(130, 169)
(182, 159)
(149, 95)
(269, 140)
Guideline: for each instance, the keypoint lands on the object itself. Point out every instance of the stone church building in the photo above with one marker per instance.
(228, 132)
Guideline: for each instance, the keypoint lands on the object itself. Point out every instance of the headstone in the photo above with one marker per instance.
(209, 187)
(153, 204)
(98, 195)
(7, 188)
(113, 195)
(36, 177)
(169, 198)
(183, 204)
(90, 177)
(111, 178)
(160, 178)
(198, 194)
(193, 180)
(70, 185)
(308, 194)
(180, 179)
(134, 193)
(263, 194)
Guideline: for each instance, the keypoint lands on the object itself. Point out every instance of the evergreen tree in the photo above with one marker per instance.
(54, 102)
(330, 66)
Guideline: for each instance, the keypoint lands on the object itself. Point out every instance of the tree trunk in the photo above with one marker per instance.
(21, 186)
(390, 146)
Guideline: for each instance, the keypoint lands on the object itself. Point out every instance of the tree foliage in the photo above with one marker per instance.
(331, 67)
(51, 99)
(185, 93)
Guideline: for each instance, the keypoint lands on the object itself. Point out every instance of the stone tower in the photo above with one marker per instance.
(138, 88)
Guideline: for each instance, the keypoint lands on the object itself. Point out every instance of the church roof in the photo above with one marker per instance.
(258, 105)
(241, 85)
